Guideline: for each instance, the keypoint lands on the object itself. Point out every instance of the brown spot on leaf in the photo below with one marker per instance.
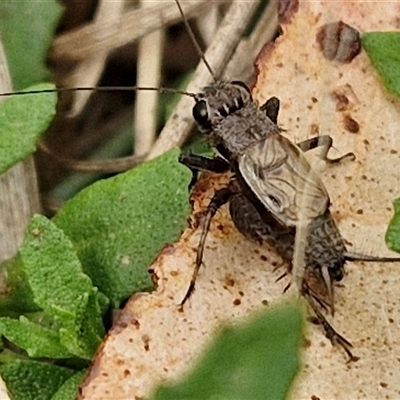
(286, 10)
(264, 55)
(168, 249)
(136, 323)
(146, 342)
(339, 41)
(342, 101)
(314, 129)
(351, 124)
(229, 281)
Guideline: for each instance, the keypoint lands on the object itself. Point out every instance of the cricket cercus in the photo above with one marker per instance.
(273, 191)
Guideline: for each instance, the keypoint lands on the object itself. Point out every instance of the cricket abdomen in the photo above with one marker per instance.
(261, 227)
(325, 246)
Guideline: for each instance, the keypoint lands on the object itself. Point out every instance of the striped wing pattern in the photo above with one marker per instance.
(282, 179)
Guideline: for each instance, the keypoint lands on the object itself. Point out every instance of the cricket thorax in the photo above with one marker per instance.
(228, 114)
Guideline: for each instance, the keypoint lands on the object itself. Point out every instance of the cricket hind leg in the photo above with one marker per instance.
(330, 332)
(325, 142)
(324, 258)
(220, 197)
(257, 224)
(271, 108)
(198, 163)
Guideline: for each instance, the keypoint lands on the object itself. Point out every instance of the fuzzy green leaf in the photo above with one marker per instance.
(36, 340)
(383, 49)
(33, 380)
(257, 360)
(393, 232)
(70, 388)
(60, 288)
(118, 225)
(23, 120)
(16, 296)
(26, 30)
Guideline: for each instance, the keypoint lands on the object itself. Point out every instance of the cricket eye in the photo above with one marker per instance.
(200, 113)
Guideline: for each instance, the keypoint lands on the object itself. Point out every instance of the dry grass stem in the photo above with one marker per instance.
(93, 39)
(89, 71)
(107, 166)
(150, 55)
(241, 66)
(19, 195)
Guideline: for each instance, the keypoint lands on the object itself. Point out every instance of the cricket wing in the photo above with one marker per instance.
(279, 175)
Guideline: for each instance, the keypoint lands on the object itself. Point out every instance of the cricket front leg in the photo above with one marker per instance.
(220, 197)
(271, 108)
(198, 163)
(325, 142)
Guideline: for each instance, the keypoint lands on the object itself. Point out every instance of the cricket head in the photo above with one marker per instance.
(218, 102)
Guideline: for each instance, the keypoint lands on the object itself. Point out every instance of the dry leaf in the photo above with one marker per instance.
(153, 341)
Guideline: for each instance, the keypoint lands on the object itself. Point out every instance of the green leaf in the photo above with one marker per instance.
(33, 380)
(16, 296)
(118, 225)
(23, 120)
(8, 356)
(257, 360)
(35, 339)
(392, 237)
(383, 49)
(70, 388)
(26, 31)
(60, 288)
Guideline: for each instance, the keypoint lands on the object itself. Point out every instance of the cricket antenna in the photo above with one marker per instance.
(101, 89)
(362, 257)
(195, 42)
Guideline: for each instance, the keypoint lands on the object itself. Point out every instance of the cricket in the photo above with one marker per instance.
(273, 190)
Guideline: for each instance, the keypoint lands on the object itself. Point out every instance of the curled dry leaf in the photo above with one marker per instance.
(153, 341)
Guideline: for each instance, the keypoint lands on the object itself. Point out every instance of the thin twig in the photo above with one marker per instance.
(108, 166)
(89, 71)
(241, 66)
(92, 39)
(208, 23)
(150, 55)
